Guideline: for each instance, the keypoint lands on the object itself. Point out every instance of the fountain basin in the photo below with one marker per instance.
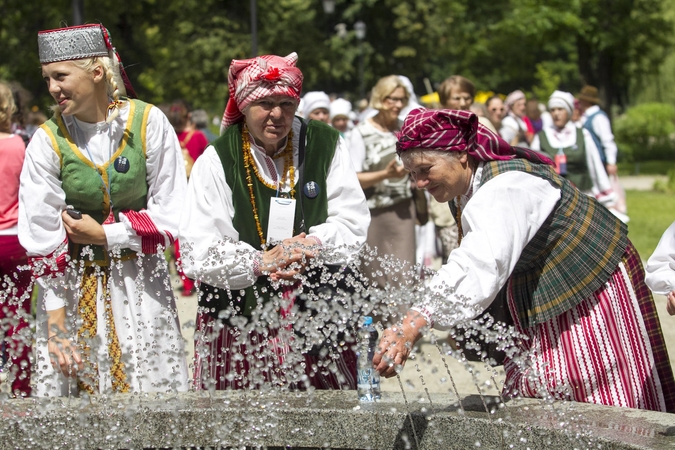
(324, 419)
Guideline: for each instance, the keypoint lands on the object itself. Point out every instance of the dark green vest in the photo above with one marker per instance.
(577, 166)
(572, 255)
(319, 151)
(82, 180)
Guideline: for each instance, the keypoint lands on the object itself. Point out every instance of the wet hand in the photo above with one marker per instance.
(393, 351)
(397, 343)
(281, 262)
(85, 230)
(300, 243)
(64, 356)
(670, 306)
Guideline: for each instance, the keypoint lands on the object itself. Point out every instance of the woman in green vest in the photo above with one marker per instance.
(268, 198)
(574, 152)
(101, 186)
(558, 265)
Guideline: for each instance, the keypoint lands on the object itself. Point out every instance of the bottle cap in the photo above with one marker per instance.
(367, 320)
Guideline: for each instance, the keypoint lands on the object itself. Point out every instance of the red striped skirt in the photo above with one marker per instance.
(608, 350)
(227, 357)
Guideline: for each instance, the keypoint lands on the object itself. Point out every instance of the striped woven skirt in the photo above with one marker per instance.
(228, 358)
(608, 350)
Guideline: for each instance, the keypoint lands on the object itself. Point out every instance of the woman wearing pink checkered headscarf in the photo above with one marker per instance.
(540, 257)
(246, 255)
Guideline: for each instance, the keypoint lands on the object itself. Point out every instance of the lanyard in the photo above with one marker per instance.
(110, 153)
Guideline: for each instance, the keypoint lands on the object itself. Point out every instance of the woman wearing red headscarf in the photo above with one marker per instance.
(558, 263)
(268, 197)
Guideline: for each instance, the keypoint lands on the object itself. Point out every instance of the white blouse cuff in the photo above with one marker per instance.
(116, 234)
(51, 300)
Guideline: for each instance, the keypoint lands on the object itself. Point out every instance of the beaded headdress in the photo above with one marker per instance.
(70, 43)
(79, 42)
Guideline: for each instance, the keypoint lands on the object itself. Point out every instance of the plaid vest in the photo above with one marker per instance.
(572, 255)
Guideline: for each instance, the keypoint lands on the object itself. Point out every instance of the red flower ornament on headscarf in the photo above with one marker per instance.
(255, 78)
(458, 131)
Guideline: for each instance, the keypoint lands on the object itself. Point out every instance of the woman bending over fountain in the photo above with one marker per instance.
(559, 262)
(100, 187)
(271, 195)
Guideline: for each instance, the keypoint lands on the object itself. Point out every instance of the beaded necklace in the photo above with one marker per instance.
(289, 170)
(458, 219)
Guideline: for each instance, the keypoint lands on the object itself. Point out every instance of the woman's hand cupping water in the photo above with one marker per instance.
(288, 259)
(396, 344)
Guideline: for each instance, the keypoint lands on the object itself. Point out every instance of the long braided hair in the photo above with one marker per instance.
(113, 79)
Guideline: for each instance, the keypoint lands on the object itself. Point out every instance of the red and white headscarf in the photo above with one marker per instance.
(255, 78)
(458, 131)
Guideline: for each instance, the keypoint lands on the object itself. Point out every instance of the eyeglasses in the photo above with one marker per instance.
(458, 98)
(393, 100)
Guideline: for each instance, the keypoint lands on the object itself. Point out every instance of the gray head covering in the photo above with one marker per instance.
(65, 44)
(561, 99)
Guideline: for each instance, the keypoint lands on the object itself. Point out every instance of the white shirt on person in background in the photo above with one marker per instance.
(660, 270)
(603, 129)
(512, 125)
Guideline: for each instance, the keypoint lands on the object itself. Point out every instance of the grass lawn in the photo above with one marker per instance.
(646, 168)
(650, 214)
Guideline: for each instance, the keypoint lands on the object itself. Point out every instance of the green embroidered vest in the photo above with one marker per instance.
(82, 180)
(572, 255)
(577, 166)
(321, 142)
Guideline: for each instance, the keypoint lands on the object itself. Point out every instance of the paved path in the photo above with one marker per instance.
(640, 182)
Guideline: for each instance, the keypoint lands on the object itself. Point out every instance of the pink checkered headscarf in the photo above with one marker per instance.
(255, 78)
(458, 131)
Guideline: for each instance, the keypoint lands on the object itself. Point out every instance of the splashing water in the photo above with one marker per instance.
(299, 336)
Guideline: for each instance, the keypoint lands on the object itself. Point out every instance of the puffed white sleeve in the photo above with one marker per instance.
(603, 129)
(660, 270)
(40, 228)
(155, 227)
(41, 200)
(602, 188)
(498, 222)
(210, 248)
(346, 227)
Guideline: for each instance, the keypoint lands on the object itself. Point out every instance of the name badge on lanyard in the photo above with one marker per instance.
(281, 219)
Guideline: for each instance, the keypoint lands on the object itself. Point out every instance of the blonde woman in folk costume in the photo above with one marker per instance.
(107, 319)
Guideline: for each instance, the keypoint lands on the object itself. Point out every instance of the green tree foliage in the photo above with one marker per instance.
(182, 49)
(644, 132)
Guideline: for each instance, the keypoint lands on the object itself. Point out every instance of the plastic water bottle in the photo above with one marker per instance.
(368, 380)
